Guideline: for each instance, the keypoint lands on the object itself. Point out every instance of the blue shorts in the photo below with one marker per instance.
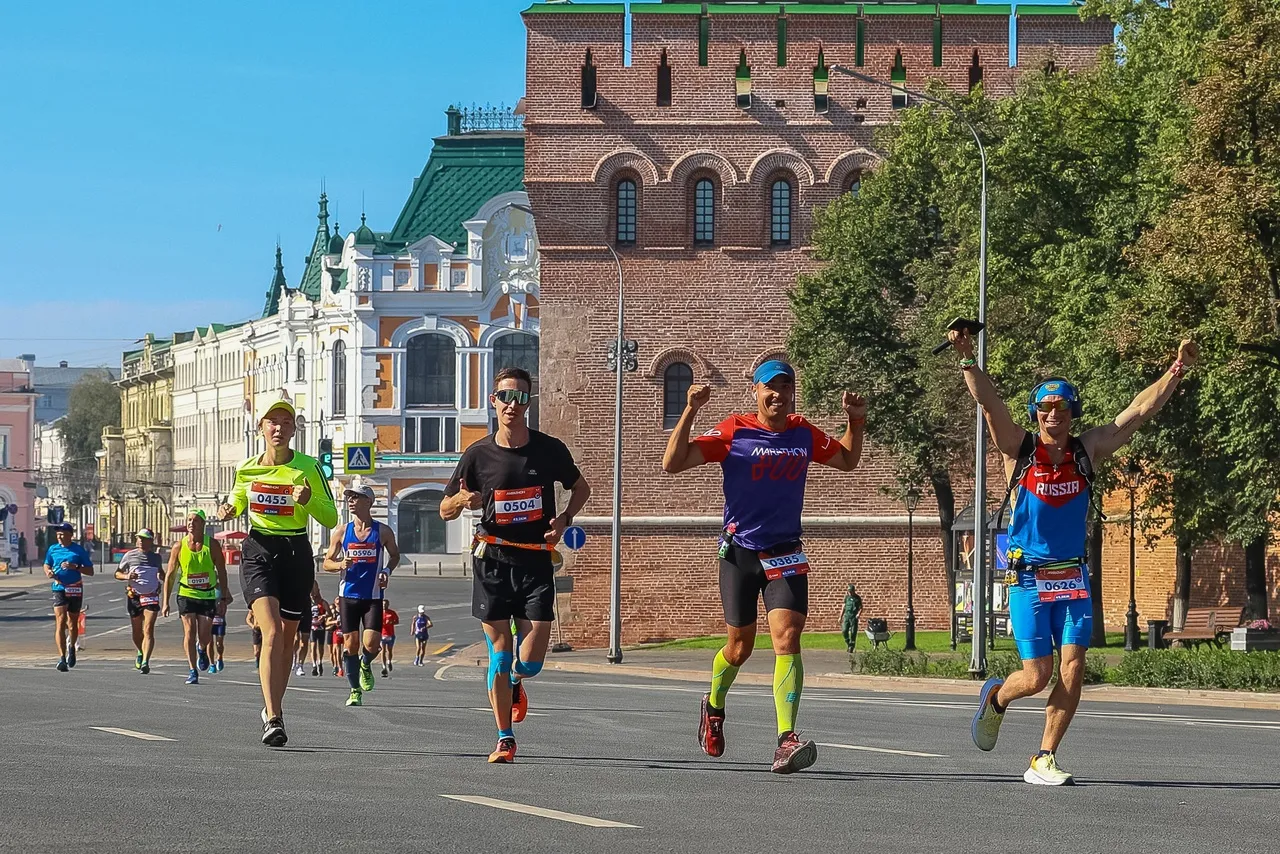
(1040, 627)
(219, 630)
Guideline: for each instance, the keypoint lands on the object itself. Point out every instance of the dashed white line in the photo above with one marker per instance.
(541, 812)
(143, 736)
(867, 749)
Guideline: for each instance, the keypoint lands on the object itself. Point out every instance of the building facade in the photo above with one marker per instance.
(17, 457)
(700, 159)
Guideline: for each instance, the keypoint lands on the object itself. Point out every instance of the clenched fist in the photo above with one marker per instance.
(698, 396)
(854, 405)
(1188, 352)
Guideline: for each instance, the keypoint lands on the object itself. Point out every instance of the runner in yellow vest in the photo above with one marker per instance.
(281, 489)
(199, 570)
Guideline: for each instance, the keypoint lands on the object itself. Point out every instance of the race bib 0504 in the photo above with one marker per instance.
(513, 506)
(271, 499)
(784, 565)
(1057, 585)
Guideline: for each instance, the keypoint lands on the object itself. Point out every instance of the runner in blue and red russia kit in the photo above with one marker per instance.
(65, 562)
(1050, 603)
(765, 458)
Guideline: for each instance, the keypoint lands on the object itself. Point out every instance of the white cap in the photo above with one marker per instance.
(422, 609)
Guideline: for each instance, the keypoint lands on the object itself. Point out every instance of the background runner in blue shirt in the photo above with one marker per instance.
(65, 562)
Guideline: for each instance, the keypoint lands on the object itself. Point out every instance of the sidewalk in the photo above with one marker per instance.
(19, 583)
(826, 668)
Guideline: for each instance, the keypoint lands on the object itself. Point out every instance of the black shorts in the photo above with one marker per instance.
(500, 591)
(742, 581)
(319, 636)
(281, 566)
(71, 603)
(135, 610)
(198, 607)
(357, 614)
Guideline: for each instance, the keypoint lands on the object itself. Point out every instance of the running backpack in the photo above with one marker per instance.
(1027, 457)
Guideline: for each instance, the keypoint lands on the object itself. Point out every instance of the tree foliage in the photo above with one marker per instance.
(94, 403)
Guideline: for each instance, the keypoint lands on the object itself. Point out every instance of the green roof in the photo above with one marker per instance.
(278, 285)
(824, 9)
(463, 172)
(578, 8)
(999, 9)
(1058, 9)
(742, 9)
(899, 9)
(313, 274)
(666, 8)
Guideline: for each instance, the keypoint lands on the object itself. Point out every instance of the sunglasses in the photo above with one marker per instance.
(512, 395)
(1047, 406)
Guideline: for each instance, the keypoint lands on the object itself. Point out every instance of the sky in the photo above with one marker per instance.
(152, 153)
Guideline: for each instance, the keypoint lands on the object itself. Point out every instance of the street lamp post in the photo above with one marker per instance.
(622, 357)
(1132, 476)
(911, 498)
(978, 658)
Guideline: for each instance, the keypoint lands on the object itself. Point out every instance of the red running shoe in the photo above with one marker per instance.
(711, 728)
(505, 751)
(793, 754)
(519, 702)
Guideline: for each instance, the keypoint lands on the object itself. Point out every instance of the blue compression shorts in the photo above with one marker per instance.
(1040, 627)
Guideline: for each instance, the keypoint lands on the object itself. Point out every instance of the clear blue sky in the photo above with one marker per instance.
(132, 131)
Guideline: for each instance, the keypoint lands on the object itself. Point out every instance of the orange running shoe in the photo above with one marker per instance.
(519, 702)
(504, 752)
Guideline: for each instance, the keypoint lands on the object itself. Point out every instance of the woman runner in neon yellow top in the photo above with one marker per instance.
(281, 489)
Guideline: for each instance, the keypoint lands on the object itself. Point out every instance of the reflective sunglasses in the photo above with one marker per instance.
(512, 395)
(1061, 405)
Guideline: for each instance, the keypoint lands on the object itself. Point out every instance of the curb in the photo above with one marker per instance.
(13, 594)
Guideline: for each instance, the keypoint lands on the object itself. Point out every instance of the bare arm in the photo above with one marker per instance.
(170, 574)
(1104, 440)
(220, 566)
(681, 454)
(333, 559)
(393, 548)
(1004, 430)
(579, 494)
(850, 454)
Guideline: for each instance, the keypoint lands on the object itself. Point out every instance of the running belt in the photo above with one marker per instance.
(498, 541)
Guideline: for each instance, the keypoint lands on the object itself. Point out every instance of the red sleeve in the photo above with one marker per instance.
(715, 443)
(824, 446)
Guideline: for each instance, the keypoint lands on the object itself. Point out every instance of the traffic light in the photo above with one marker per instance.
(326, 458)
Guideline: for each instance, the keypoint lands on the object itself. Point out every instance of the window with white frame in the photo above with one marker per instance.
(430, 434)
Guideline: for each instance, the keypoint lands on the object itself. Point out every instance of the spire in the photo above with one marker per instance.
(323, 216)
(279, 287)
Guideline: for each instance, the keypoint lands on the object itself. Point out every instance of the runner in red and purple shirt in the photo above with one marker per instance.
(765, 458)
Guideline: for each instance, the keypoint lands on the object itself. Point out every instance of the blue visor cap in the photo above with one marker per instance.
(1057, 388)
(773, 369)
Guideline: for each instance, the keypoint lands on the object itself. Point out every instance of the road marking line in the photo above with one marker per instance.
(123, 628)
(117, 599)
(308, 690)
(439, 674)
(541, 812)
(442, 650)
(882, 750)
(144, 736)
(530, 714)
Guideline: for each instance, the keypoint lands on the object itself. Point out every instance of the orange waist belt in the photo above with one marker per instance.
(498, 541)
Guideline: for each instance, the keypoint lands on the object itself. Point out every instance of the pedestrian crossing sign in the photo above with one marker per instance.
(359, 458)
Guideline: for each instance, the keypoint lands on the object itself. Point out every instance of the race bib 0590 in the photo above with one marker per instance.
(784, 565)
(271, 499)
(513, 506)
(1057, 585)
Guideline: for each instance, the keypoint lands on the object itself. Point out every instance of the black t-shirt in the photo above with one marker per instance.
(518, 486)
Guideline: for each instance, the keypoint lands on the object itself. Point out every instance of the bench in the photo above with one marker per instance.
(1207, 625)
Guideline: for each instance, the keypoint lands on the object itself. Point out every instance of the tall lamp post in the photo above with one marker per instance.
(911, 498)
(1132, 478)
(622, 357)
(978, 658)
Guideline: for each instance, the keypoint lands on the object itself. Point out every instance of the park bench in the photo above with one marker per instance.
(1211, 625)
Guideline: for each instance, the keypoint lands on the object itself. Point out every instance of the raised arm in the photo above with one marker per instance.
(681, 454)
(850, 453)
(1004, 430)
(1105, 439)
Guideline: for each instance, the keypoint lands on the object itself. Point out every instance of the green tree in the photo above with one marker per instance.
(94, 403)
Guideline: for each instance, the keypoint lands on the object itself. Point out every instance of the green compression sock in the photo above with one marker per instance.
(722, 675)
(788, 682)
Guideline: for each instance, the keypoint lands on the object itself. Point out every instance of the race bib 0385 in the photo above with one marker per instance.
(784, 565)
(513, 506)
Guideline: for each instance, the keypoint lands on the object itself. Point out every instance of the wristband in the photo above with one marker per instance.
(1178, 368)
(967, 364)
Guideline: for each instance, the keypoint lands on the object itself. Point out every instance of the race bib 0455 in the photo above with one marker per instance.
(784, 565)
(271, 499)
(513, 506)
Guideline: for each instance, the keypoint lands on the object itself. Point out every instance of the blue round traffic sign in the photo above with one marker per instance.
(574, 537)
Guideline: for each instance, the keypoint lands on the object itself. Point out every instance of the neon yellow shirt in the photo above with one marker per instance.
(198, 578)
(267, 493)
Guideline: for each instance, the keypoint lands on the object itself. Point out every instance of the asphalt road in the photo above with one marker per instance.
(26, 622)
(897, 773)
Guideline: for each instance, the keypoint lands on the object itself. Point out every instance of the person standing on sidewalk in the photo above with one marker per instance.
(65, 563)
(765, 458)
(1050, 601)
(142, 568)
(281, 489)
(197, 566)
(511, 476)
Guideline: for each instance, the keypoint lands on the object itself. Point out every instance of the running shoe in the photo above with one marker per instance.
(356, 698)
(145, 668)
(62, 665)
(711, 728)
(519, 702)
(985, 728)
(273, 733)
(137, 662)
(193, 678)
(793, 754)
(71, 655)
(384, 673)
(366, 677)
(504, 752)
(391, 665)
(339, 672)
(299, 671)
(222, 665)
(335, 672)
(1044, 771)
(202, 659)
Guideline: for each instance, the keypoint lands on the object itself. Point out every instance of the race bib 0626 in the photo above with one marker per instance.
(271, 499)
(784, 565)
(513, 506)
(1057, 585)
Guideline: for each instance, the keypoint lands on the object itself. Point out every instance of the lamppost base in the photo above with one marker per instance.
(910, 645)
(1131, 628)
(615, 657)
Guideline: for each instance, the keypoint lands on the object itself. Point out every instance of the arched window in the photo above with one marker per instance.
(853, 182)
(300, 435)
(339, 402)
(519, 350)
(625, 213)
(780, 213)
(431, 371)
(676, 380)
(300, 372)
(704, 212)
(420, 529)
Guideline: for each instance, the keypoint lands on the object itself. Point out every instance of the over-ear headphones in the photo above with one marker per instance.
(1056, 385)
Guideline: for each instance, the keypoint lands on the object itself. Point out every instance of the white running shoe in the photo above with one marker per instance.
(1044, 771)
(985, 728)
